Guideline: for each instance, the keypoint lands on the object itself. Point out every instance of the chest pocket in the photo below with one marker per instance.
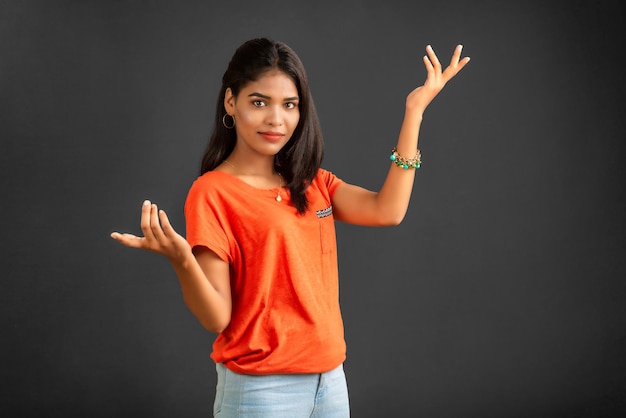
(327, 229)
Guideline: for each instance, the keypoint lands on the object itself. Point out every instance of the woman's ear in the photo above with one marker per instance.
(229, 101)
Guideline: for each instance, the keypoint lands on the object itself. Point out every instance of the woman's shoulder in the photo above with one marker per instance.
(326, 181)
(212, 175)
(210, 182)
(326, 176)
(213, 178)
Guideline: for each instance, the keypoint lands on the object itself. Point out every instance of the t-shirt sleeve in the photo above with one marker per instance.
(331, 181)
(205, 222)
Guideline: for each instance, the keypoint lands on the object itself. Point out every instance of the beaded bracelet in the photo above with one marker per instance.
(405, 163)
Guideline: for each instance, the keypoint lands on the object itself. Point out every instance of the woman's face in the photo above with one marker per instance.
(266, 113)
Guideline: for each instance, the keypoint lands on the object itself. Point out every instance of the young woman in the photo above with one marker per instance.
(258, 265)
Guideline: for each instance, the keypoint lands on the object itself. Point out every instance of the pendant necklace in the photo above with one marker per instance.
(278, 197)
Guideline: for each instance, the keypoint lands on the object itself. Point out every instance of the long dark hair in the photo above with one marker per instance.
(300, 159)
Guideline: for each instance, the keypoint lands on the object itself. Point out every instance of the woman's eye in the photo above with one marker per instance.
(258, 103)
(290, 105)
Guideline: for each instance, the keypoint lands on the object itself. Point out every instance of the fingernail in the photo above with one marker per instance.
(146, 203)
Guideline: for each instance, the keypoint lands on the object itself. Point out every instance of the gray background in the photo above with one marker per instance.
(500, 295)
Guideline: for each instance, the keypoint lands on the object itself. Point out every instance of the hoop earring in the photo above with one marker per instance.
(224, 121)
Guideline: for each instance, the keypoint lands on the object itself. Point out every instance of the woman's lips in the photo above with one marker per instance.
(272, 136)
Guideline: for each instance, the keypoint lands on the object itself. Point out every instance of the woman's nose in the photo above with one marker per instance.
(275, 117)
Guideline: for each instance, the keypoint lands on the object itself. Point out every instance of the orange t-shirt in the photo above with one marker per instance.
(283, 273)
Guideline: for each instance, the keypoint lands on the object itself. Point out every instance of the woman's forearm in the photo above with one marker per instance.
(395, 194)
(393, 198)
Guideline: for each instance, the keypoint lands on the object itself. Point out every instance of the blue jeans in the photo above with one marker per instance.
(322, 395)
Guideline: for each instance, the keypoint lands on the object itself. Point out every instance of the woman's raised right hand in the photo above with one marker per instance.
(159, 235)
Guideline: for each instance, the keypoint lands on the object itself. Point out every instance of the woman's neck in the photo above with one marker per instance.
(258, 171)
(257, 165)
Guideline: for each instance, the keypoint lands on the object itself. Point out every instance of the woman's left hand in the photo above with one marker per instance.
(421, 97)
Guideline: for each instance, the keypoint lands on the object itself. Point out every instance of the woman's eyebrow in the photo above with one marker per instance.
(263, 96)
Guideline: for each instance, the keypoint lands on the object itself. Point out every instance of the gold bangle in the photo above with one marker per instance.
(405, 163)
